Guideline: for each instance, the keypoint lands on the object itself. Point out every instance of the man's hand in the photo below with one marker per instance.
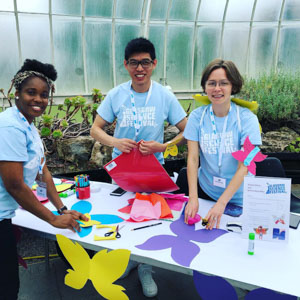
(150, 147)
(125, 145)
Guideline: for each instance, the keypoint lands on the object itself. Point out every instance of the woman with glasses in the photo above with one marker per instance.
(216, 130)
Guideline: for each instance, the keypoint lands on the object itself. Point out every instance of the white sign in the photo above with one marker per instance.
(266, 208)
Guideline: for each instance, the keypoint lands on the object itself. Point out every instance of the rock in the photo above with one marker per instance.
(75, 150)
(277, 141)
(101, 154)
(170, 133)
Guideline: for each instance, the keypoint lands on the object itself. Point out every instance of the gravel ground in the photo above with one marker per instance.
(31, 246)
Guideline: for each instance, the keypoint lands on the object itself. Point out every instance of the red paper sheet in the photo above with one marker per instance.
(134, 172)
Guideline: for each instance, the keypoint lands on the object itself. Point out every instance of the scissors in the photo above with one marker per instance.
(116, 231)
(111, 235)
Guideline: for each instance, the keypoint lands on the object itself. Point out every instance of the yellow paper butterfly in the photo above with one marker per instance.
(252, 105)
(103, 269)
(88, 223)
(172, 148)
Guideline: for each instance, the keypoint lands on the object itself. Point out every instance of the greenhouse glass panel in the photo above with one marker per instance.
(239, 10)
(235, 43)
(179, 57)
(36, 6)
(206, 49)
(99, 8)
(159, 9)
(124, 34)
(157, 37)
(98, 55)
(262, 48)
(211, 10)
(289, 54)
(66, 7)
(291, 10)
(68, 55)
(267, 10)
(9, 59)
(7, 5)
(183, 10)
(35, 45)
(129, 9)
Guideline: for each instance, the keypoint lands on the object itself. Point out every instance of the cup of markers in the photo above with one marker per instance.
(82, 186)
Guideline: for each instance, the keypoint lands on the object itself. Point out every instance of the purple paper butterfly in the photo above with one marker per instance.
(215, 288)
(183, 251)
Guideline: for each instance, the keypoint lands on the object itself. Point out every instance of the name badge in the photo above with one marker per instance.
(41, 189)
(220, 182)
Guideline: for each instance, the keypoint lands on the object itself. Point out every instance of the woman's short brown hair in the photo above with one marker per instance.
(231, 70)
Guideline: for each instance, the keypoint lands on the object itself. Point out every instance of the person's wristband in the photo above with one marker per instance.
(60, 211)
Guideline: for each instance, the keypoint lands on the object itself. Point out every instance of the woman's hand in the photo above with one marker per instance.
(191, 209)
(150, 147)
(125, 145)
(215, 214)
(68, 220)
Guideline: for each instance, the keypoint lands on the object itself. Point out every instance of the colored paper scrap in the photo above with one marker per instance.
(103, 269)
(41, 199)
(175, 201)
(88, 223)
(183, 251)
(153, 199)
(144, 210)
(249, 156)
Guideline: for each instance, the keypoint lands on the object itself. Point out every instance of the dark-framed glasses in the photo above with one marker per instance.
(134, 64)
(222, 83)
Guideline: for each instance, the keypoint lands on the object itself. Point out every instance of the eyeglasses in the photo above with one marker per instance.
(145, 63)
(222, 83)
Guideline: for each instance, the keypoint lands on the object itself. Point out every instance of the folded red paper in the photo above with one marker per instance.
(135, 172)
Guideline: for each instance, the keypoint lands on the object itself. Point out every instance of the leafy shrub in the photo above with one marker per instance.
(278, 96)
(294, 146)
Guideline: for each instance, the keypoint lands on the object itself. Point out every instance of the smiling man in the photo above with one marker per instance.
(140, 106)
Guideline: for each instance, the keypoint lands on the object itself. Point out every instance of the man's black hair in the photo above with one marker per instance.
(34, 65)
(139, 45)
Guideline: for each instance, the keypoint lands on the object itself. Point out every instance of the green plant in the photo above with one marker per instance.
(294, 146)
(278, 96)
(65, 123)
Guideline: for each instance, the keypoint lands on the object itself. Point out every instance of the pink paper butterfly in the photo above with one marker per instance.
(249, 156)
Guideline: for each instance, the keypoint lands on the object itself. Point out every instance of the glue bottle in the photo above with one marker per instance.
(67, 193)
(251, 243)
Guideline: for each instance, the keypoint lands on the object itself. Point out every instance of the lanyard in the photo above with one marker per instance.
(222, 139)
(137, 120)
(29, 129)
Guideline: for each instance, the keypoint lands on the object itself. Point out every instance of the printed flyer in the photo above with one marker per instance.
(266, 208)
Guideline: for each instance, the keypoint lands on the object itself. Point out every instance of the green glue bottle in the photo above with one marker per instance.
(251, 243)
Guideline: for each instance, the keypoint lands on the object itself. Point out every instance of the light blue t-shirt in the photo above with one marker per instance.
(241, 123)
(18, 144)
(161, 106)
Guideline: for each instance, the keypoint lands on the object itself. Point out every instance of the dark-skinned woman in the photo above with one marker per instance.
(22, 161)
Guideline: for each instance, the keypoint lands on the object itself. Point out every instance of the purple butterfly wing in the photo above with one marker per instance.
(266, 294)
(158, 242)
(188, 232)
(183, 252)
(213, 287)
